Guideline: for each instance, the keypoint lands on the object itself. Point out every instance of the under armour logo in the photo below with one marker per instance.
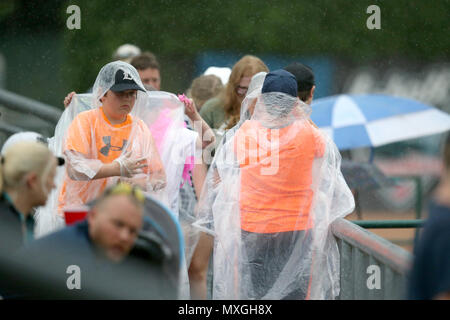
(107, 140)
(127, 76)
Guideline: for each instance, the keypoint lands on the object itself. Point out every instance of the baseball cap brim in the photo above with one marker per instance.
(126, 86)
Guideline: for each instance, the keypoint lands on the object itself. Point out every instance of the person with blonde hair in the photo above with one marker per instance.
(27, 173)
(203, 88)
(223, 111)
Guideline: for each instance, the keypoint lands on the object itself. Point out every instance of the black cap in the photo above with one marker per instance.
(280, 81)
(303, 74)
(124, 81)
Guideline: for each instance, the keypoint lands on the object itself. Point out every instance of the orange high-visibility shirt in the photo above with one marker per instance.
(276, 194)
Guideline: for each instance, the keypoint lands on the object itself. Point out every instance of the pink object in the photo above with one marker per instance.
(183, 98)
(159, 129)
(75, 214)
(160, 126)
(188, 166)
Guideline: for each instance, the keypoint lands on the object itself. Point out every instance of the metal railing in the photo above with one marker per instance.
(9, 129)
(24, 114)
(389, 224)
(363, 255)
(416, 223)
(22, 104)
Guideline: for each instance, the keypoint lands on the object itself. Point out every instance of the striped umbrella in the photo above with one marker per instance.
(372, 120)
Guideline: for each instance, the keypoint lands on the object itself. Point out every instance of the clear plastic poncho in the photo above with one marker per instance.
(88, 140)
(164, 115)
(272, 191)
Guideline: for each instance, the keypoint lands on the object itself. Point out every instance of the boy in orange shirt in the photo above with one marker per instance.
(121, 145)
(106, 144)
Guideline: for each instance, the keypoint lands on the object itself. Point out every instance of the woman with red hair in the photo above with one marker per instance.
(222, 112)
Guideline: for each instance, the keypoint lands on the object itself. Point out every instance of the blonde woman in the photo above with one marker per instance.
(27, 172)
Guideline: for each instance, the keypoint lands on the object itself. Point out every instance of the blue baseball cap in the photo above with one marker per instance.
(280, 81)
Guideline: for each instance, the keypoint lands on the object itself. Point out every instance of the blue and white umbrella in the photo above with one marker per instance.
(372, 120)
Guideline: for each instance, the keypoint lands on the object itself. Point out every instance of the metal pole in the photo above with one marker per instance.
(418, 205)
(418, 181)
(8, 128)
(389, 224)
(19, 103)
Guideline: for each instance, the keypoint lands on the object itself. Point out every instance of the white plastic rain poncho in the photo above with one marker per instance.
(88, 140)
(272, 192)
(164, 115)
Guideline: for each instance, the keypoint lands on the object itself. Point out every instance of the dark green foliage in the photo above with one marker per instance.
(176, 31)
(174, 28)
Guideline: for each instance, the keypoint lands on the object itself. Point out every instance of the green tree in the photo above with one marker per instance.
(178, 30)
